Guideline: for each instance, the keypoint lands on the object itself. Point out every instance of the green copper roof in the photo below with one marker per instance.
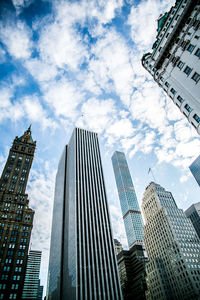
(161, 21)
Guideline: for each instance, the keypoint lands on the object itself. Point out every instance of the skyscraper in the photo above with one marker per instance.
(174, 61)
(131, 264)
(31, 282)
(82, 262)
(173, 248)
(128, 200)
(193, 213)
(16, 218)
(118, 246)
(195, 169)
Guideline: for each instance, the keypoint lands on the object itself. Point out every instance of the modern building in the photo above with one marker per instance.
(131, 265)
(82, 262)
(118, 246)
(40, 291)
(31, 282)
(16, 218)
(193, 213)
(128, 200)
(195, 169)
(173, 248)
(174, 60)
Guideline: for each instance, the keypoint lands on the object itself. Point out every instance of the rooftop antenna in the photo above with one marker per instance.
(150, 170)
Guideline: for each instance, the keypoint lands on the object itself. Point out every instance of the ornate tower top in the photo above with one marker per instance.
(26, 137)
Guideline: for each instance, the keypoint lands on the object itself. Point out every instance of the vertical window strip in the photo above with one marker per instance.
(82, 225)
(86, 218)
(107, 231)
(100, 241)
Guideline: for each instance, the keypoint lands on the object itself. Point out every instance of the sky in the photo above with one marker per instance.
(78, 63)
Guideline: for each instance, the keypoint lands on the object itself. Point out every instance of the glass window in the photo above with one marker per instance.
(197, 53)
(196, 77)
(180, 64)
(173, 91)
(197, 118)
(188, 108)
(187, 70)
(167, 84)
(190, 48)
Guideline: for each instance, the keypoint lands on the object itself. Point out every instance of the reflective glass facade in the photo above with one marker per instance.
(82, 261)
(195, 169)
(31, 282)
(128, 200)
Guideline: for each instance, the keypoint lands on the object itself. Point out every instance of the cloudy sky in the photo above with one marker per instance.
(77, 63)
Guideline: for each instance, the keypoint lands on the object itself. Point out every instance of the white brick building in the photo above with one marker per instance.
(173, 248)
(174, 62)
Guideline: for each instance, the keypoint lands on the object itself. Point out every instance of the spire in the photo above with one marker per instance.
(27, 137)
(29, 130)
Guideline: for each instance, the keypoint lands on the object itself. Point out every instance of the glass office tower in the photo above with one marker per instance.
(128, 200)
(31, 282)
(195, 169)
(82, 261)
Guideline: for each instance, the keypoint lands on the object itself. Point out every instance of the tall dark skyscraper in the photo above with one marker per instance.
(128, 200)
(16, 218)
(82, 261)
(195, 169)
(193, 213)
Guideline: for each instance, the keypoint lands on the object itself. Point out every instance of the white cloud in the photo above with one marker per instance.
(63, 97)
(97, 114)
(40, 70)
(111, 63)
(17, 38)
(34, 111)
(41, 194)
(60, 43)
(143, 21)
(121, 128)
(2, 55)
(28, 107)
(148, 105)
(20, 4)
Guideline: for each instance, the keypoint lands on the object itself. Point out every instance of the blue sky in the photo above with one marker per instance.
(77, 63)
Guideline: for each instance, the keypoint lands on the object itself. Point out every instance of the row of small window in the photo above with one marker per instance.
(14, 154)
(190, 49)
(22, 148)
(10, 253)
(180, 99)
(9, 261)
(188, 70)
(7, 175)
(7, 269)
(11, 296)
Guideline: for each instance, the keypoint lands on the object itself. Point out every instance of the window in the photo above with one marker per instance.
(187, 70)
(167, 84)
(188, 108)
(173, 91)
(196, 77)
(197, 118)
(190, 48)
(180, 65)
